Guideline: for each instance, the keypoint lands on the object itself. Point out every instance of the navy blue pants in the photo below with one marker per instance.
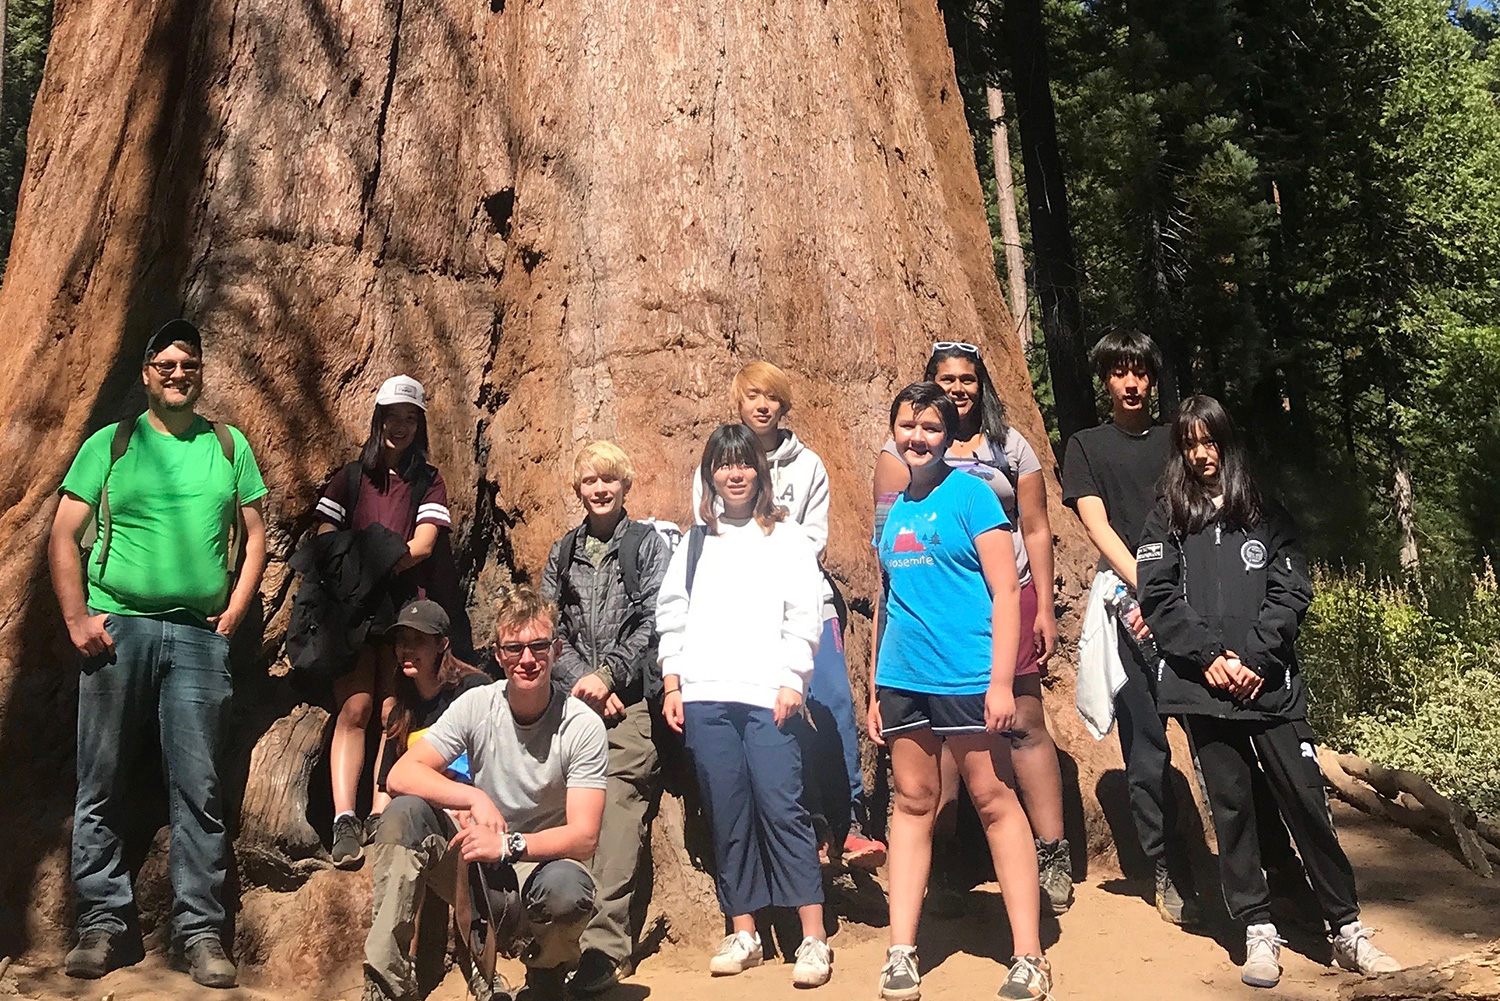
(750, 775)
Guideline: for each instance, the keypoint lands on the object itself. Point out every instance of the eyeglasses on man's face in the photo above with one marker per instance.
(165, 369)
(513, 651)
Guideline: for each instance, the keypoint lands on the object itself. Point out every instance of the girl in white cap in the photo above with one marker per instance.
(391, 484)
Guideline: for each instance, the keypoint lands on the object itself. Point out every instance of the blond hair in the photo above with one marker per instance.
(520, 606)
(605, 458)
(767, 378)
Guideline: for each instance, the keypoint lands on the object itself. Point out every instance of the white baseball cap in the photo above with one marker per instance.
(401, 389)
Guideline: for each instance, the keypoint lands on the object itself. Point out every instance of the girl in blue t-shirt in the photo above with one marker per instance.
(944, 674)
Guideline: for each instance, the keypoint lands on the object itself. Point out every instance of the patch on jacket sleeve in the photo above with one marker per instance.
(1253, 554)
(1150, 551)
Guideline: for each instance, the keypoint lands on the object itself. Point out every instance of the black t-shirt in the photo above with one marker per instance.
(425, 715)
(1120, 469)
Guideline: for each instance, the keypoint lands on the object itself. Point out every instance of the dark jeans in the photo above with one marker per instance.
(750, 775)
(1234, 756)
(830, 688)
(171, 676)
(1148, 762)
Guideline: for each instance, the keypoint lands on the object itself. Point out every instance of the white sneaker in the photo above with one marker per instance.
(1262, 956)
(899, 980)
(1353, 950)
(739, 952)
(814, 963)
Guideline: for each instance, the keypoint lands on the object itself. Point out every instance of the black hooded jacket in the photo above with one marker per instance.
(1226, 588)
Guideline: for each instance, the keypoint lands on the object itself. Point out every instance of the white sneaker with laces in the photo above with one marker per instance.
(1262, 956)
(739, 952)
(814, 963)
(1353, 950)
(899, 980)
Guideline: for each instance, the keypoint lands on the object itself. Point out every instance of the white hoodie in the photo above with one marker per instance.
(753, 623)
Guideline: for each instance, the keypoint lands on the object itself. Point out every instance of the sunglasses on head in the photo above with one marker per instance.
(964, 346)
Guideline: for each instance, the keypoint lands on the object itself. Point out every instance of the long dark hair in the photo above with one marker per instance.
(372, 455)
(450, 672)
(1190, 508)
(991, 409)
(735, 443)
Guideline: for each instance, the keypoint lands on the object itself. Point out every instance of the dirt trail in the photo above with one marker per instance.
(1111, 944)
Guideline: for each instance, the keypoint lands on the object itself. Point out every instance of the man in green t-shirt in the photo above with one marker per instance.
(177, 498)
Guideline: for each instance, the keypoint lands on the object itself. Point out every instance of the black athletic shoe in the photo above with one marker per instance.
(595, 974)
(100, 950)
(543, 984)
(348, 850)
(367, 835)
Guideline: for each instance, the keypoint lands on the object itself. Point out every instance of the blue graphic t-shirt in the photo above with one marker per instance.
(937, 614)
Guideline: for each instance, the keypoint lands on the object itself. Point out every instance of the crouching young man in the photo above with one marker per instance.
(539, 760)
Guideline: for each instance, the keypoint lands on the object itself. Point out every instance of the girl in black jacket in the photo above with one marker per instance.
(1224, 588)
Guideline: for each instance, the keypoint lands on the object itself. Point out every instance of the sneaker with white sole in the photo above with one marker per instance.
(899, 980)
(1262, 956)
(1029, 979)
(739, 952)
(1353, 950)
(814, 963)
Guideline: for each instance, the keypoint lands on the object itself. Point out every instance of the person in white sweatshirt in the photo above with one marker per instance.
(762, 397)
(739, 618)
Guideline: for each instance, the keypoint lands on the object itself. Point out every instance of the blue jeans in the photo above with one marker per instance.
(750, 775)
(172, 675)
(830, 688)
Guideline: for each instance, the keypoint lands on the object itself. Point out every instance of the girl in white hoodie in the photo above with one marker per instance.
(739, 618)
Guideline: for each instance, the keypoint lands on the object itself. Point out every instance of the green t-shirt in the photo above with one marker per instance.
(171, 512)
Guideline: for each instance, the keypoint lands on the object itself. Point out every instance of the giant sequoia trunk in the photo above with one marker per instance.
(568, 220)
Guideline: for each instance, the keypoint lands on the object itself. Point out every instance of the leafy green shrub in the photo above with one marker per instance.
(1407, 681)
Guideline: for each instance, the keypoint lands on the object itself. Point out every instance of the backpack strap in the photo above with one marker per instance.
(237, 526)
(630, 558)
(118, 443)
(420, 484)
(696, 535)
(565, 559)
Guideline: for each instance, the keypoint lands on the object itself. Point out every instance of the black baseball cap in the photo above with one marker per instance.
(423, 616)
(170, 333)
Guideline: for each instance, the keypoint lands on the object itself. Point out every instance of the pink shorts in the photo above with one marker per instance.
(1026, 661)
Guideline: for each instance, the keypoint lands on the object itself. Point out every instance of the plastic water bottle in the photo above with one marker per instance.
(1124, 603)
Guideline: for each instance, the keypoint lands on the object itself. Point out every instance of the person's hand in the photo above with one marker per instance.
(483, 813)
(999, 708)
(613, 708)
(227, 621)
(1044, 635)
(671, 710)
(1217, 674)
(1136, 623)
(479, 844)
(874, 724)
(788, 701)
(1245, 683)
(593, 691)
(89, 636)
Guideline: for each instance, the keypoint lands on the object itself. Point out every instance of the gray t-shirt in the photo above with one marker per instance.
(1000, 473)
(526, 770)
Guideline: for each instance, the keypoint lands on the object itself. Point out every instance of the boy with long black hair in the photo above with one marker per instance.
(1110, 474)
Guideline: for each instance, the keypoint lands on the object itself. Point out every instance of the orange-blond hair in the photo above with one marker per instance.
(767, 378)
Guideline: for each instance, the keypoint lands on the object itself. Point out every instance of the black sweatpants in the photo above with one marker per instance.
(1232, 754)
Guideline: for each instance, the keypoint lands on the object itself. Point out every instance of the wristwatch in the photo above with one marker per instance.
(515, 846)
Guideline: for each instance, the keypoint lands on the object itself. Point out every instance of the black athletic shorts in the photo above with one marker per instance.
(902, 711)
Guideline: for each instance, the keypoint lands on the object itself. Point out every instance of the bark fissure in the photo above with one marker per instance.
(372, 179)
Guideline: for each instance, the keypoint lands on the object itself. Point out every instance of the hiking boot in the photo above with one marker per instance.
(814, 963)
(1353, 950)
(1172, 904)
(543, 984)
(375, 990)
(861, 852)
(596, 973)
(100, 950)
(367, 830)
(1262, 956)
(492, 989)
(1054, 862)
(1030, 977)
(739, 952)
(348, 842)
(899, 980)
(205, 962)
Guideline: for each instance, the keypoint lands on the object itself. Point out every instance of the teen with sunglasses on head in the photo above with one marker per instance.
(945, 675)
(997, 455)
(739, 615)
(391, 484)
(1224, 587)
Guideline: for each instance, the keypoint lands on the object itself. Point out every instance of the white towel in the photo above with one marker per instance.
(1100, 673)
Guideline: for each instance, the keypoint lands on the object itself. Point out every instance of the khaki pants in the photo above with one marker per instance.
(540, 908)
(634, 784)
